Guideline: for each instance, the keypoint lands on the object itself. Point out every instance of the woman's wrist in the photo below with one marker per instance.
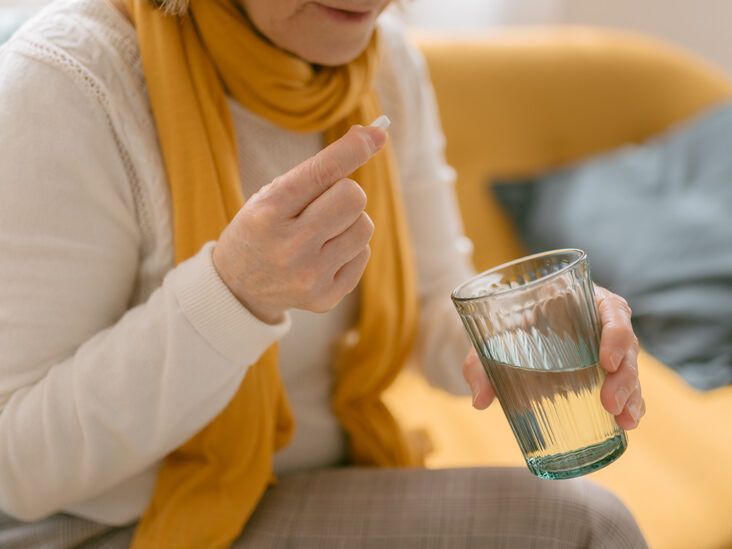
(266, 316)
(262, 313)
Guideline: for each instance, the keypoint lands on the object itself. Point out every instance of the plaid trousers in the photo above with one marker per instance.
(497, 507)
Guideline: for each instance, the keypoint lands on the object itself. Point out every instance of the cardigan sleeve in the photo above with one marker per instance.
(91, 390)
(442, 251)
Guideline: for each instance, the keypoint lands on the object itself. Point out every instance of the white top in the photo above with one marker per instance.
(110, 357)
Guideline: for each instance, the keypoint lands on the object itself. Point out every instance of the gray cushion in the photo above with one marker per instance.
(656, 221)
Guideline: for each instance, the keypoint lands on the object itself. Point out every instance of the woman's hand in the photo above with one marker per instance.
(302, 241)
(621, 392)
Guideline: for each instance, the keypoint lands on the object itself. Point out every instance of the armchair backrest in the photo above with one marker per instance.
(518, 102)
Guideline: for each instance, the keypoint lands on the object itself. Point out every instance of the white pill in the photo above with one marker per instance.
(382, 122)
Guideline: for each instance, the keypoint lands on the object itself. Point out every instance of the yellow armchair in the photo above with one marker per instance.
(523, 101)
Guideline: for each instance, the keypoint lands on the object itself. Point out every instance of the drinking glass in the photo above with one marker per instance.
(534, 325)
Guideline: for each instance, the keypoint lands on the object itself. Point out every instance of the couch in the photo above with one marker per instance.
(517, 103)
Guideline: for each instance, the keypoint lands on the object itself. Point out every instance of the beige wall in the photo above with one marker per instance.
(478, 14)
(704, 26)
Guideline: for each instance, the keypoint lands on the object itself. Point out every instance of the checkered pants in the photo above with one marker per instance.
(384, 508)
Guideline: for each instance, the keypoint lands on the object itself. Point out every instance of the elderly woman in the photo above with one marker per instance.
(148, 311)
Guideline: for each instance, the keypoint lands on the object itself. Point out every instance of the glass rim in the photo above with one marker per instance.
(582, 255)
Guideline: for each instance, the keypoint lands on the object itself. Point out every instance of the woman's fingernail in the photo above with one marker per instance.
(621, 397)
(616, 357)
(634, 411)
(382, 122)
(476, 391)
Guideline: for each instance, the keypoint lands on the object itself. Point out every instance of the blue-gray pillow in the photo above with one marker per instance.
(656, 221)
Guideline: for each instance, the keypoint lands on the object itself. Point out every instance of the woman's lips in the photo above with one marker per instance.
(344, 16)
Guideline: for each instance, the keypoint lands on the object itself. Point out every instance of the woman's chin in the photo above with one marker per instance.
(324, 38)
(335, 58)
(333, 52)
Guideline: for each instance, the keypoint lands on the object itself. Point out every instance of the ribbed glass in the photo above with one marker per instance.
(534, 325)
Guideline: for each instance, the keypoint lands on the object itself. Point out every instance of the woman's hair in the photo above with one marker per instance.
(174, 7)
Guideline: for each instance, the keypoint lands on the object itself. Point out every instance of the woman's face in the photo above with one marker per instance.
(323, 32)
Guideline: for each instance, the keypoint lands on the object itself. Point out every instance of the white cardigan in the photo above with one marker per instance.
(110, 357)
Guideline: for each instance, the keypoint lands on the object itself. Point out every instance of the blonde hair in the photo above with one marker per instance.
(173, 7)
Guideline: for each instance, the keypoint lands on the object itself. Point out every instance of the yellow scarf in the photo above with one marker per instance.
(207, 489)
